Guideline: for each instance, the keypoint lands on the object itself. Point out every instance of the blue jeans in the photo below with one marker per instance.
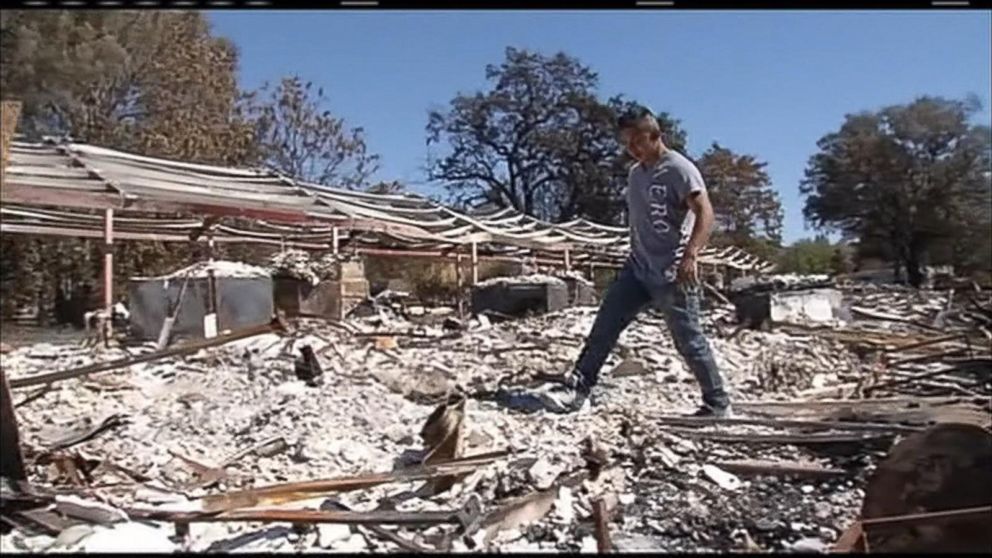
(624, 300)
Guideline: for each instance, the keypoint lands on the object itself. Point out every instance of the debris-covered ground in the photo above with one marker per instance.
(161, 436)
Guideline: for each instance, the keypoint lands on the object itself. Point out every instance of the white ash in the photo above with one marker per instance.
(533, 279)
(370, 409)
(220, 268)
(575, 275)
(299, 264)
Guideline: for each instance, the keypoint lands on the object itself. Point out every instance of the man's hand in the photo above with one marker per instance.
(699, 203)
(688, 272)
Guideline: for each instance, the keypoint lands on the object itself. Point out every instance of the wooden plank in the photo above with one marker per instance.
(779, 468)
(794, 439)
(851, 541)
(785, 423)
(881, 401)
(179, 350)
(927, 517)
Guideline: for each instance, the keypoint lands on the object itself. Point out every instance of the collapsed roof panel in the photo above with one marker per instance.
(81, 176)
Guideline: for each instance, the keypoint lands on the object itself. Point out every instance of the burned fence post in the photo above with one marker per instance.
(108, 274)
(210, 319)
(11, 458)
(460, 284)
(9, 112)
(475, 263)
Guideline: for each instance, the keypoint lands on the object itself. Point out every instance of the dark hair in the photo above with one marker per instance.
(633, 117)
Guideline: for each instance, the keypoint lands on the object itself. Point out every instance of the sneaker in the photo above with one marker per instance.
(705, 411)
(565, 397)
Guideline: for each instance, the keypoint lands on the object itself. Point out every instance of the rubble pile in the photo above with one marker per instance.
(298, 264)
(907, 309)
(220, 268)
(534, 278)
(782, 281)
(177, 436)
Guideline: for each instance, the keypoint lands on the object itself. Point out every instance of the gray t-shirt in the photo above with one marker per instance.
(660, 218)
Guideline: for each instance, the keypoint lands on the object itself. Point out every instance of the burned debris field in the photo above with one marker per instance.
(384, 431)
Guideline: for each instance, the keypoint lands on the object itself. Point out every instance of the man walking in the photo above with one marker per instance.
(670, 221)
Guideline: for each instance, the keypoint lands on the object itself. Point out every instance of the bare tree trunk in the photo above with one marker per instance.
(914, 268)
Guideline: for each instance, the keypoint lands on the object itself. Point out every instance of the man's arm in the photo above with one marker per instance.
(699, 204)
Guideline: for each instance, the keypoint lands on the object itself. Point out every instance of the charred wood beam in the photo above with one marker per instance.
(779, 469)
(800, 424)
(183, 349)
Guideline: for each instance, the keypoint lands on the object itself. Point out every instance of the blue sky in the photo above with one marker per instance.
(766, 83)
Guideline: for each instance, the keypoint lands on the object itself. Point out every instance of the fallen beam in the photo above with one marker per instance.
(303, 516)
(379, 531)
(183, 349)
(856, 402)
(927, 517)
(778, 468)
(851, 541)
(868, 313)
(289, 492)
(795, 439)
(888, 385)
(932, 356)
(523, 510)
(927, 343)
(111, 422)
(783, 423)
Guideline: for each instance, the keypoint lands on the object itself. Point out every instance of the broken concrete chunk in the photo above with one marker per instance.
(808, 544)
(668, 458)
(722, 478)
(328, 534)
(354, 543)
(637, 543)
(130, 538)
(589, 545)
(543, 473)
(71, 536)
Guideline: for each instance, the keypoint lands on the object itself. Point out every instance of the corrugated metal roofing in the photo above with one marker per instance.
(81, 176)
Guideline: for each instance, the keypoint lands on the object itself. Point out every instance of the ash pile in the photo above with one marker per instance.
(379, 434)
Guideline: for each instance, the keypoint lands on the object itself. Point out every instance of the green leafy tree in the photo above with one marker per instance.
(909, 180)
(741, 191)
(809, 256)
(155, 83)
(539, 140)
